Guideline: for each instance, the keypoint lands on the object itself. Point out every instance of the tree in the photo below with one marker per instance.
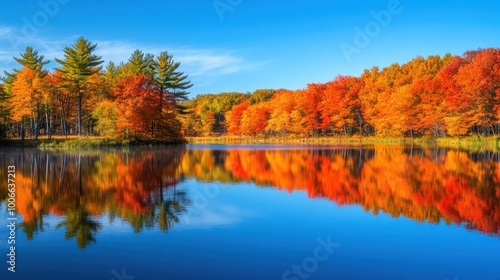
(106, 114)
(261, 95)
(134, 96)
(456, 103)
(368, 97)
(308, 104)
(208, 122)
(168, 77)
(62, 102)
(233, 118)
(78, 64)
(139, 63)
(480, 82)
(26, 100)
(254, 119)
(32, 59)
(139, 115)
(282, 104)
(4, 112)
(340, 108)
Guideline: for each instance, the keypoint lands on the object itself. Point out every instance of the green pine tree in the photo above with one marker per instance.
(78, 64)
(29, 58)
(32, 59)
(139, 63)
(168, 77)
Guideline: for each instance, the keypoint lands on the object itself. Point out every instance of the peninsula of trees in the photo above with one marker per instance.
(146, 98)
(139, 99)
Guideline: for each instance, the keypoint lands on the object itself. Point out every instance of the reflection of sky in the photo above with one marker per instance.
(249, 232)
(214, 204)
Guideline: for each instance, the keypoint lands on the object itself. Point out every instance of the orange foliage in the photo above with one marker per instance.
(234, 116)
(254, 119)
(341, 106)
(145, 110)
(26, 94)
(427, 96)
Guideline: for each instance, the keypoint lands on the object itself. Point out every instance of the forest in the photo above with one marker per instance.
(139, 99)
(437, 97)
(147, 98)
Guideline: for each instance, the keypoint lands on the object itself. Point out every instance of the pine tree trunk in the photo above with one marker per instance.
(37, 122)
(63, 120)
(79, 114)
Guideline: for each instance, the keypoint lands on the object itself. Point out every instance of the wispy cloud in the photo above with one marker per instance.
(202, 64)
(195, 61)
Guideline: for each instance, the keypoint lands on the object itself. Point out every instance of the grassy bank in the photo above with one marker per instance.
(469, 143)
(81, 142)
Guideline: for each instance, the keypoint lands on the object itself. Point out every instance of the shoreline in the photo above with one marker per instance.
(82, 142)
(468, 143)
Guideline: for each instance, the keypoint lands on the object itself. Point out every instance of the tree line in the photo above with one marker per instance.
(146, 98)
(139, 99)
(433, 96)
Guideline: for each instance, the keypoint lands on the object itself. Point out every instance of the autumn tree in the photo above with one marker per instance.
(340, 108)
(106, 115)
(456, 103)
(308, 103)
(479, 81)
(281, 105)
(234, 116)
(134, 96)
(26, 99)
(261, 96)
(254, 119)
(138, 114)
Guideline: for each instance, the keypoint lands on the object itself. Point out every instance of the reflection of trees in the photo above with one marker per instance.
(424, 185)
(168, 208)
(33, 226)
(80, 224)
(137, 186)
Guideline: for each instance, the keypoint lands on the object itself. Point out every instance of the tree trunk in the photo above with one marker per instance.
(22, 129)
(37, 122)
(79, 114)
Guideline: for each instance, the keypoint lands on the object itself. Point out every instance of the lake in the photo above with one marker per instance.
(253, 212)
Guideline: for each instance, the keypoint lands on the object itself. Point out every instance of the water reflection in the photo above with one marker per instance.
(138, 186)
(424, 185)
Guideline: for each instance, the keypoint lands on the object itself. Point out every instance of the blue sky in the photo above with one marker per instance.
(244, 45)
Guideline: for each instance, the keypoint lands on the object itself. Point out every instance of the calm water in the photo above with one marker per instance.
(254, 212)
